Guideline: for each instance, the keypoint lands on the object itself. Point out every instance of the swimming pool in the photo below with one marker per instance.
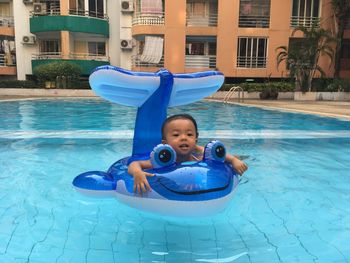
(292, 205)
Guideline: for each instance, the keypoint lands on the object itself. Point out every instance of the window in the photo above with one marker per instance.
(254, 13)
(97, 48)
(52, 47)
(197, 8)
(96, 8)
(345, 55)
(252, 52)
(345, 51)
(76, 7)
(305, 13)
(195, 49)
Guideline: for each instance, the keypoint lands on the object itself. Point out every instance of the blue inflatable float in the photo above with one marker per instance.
(188, 189)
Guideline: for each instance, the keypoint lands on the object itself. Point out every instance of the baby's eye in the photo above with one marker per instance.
(175, 134)
(190, 134)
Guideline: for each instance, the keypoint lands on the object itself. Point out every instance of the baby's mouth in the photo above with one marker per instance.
(183, 146)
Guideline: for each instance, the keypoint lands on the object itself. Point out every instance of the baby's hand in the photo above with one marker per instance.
(239, 166)
(141, 184)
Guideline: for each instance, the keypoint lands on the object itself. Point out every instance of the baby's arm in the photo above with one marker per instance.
(136, 170)
(237, 164)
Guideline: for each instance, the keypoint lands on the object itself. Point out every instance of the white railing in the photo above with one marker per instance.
(7, 62)
(74, 12)
(7, 21)
(47, 12)
(195, 20)
(148, 19)
(233, 91)
(251, 62)
(87, 56)
(137, 62)
(200, 61)
(79, 12)
(254, 21)
(296, 21)
(47, 55)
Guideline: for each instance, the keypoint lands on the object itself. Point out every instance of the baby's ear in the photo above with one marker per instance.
(163, 141)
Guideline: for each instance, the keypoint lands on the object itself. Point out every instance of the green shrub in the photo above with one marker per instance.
(50, 71)
(331, 85)
(18, 84)
(259, 87)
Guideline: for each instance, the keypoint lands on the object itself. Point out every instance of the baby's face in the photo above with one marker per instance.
(181, 135)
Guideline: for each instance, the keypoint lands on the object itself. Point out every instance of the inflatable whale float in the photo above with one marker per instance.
(187, 189)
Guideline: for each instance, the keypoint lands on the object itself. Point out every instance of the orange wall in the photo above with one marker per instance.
(175, 35)
(7, 31)
(10, 71)
(227, 33)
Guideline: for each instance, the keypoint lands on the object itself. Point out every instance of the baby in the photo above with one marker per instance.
(180, 132)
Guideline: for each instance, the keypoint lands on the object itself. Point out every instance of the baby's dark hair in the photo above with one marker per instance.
(179, 117)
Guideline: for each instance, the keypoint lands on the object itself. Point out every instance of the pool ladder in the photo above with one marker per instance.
(233, 90)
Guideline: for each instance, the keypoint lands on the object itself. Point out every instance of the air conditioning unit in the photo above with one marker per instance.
(127, 6)
(26, 2)
(38, 8)
(126, 44)
(29, 40)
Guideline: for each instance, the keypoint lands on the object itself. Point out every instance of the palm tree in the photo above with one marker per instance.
(341, 11)
(303, 55)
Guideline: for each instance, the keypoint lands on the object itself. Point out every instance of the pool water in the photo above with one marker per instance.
(292, 205)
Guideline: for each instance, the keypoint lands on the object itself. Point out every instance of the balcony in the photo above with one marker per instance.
(79, 12)
(148, 19)
(87, 62)
(200, 61)
(7, 64)
(297, 21)
(6, 21)
(137, 63)
(7, 60)
(78, 21)
(251, 62)
(254, 14)
(254, 21)
(195, 20)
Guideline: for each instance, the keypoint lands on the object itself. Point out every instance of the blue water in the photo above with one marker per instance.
(292, 205)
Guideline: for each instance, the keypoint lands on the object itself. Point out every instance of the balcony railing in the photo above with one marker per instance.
(200, 61)
(47, 55)
(148, 19)
(5, 61)
(47, 12)
(210, 20)
(7, 21)
(79, 12)
(296, 21)
(137, 62)
(254, 21)
(251, 62)
(88, 56)
(74, 12)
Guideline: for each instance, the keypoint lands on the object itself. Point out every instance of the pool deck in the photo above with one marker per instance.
(337, 109)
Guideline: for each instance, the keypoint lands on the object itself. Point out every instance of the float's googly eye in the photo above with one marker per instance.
(215, 151)
(162, 155)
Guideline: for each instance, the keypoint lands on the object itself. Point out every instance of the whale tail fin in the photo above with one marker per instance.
(132, 88)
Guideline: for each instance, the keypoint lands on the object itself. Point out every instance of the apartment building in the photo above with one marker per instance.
(237, 37)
